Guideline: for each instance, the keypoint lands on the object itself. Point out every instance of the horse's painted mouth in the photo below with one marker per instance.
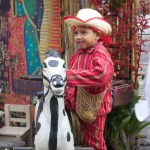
(58, 92)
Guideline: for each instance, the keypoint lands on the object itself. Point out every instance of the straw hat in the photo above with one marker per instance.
(90, 18)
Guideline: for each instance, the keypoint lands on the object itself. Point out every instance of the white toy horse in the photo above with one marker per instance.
(53, 130)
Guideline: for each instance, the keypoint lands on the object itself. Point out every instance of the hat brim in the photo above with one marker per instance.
(99, 23)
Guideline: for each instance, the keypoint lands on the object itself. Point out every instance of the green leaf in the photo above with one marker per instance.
(124, 122)
(143, 125)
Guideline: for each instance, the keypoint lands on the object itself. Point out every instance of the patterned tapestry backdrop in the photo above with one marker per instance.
(16, 48)
(25, 36)
(4, 62)
(12, 60)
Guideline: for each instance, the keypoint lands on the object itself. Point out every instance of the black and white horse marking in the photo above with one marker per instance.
(53, 131)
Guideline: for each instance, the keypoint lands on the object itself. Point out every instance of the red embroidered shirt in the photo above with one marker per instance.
(92, 69)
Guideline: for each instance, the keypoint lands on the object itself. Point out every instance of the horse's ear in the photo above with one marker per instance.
(47, 54)
(53, 53)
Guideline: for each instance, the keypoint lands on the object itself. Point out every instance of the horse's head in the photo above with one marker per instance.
(54, 74)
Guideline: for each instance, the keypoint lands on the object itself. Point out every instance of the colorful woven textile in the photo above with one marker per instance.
(4, 63)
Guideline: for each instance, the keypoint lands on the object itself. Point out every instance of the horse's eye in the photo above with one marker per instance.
(44, 65)
(64, 65)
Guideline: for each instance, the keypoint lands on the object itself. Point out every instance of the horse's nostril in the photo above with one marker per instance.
(58, 82)
(54, 83)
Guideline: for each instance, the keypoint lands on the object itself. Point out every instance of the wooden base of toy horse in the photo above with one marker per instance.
(32, 148)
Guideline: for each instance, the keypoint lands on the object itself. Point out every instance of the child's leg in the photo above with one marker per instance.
(93, 133)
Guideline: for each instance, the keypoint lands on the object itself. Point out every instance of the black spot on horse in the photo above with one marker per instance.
(64, 112)
(54, 123)
(53, 63)
(68, 137)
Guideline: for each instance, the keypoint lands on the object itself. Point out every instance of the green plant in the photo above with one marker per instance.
(122, 126)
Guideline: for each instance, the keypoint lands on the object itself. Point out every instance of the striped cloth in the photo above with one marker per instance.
(92, 69)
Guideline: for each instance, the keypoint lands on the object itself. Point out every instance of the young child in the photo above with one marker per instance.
(91, 68)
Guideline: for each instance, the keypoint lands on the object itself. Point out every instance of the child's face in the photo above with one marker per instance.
(85, 37)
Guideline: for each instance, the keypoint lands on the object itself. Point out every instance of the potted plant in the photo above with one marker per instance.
(122, 126)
